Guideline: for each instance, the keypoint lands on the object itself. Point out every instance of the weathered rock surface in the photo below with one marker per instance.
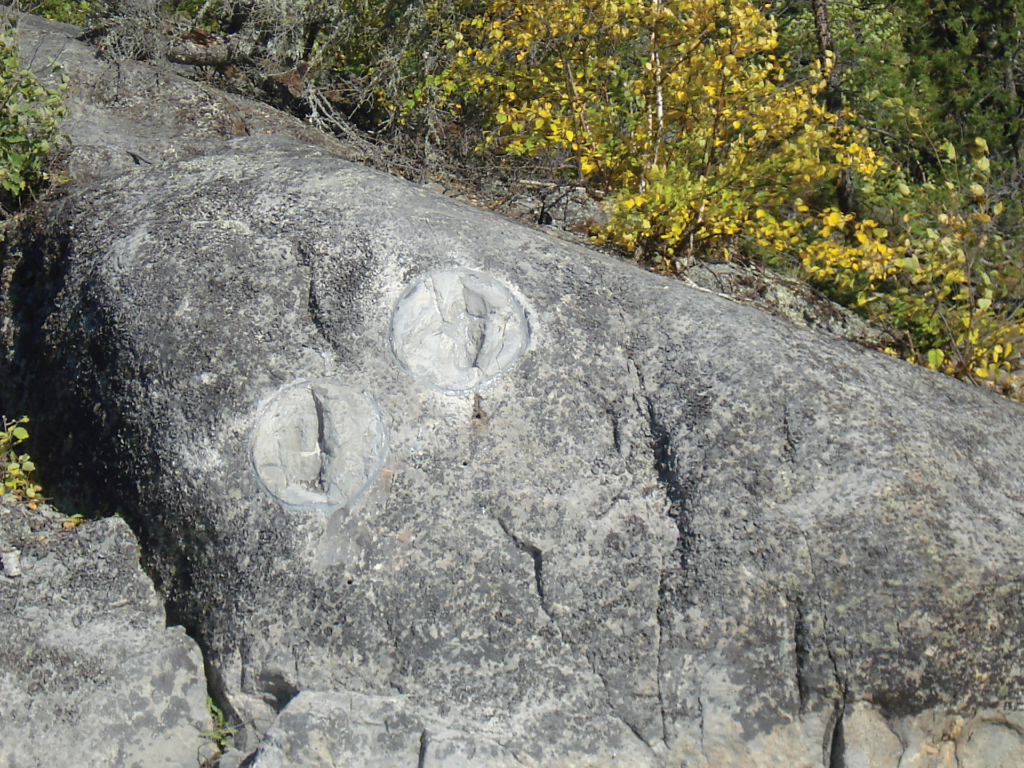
(89, 673)
(671, 532)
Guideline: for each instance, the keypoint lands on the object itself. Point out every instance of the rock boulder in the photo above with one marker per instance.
(89, 673)
(432, 488)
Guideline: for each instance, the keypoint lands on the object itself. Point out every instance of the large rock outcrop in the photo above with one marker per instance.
(89, 673)
(432, 488)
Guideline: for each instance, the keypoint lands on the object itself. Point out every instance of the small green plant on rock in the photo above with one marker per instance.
(221, 733)
(16, 468)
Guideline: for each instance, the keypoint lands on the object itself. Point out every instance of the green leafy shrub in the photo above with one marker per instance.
(16, 468)
(68, 11)
(930, 262)
(30, 114)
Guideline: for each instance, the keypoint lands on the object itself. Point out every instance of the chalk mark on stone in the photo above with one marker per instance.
(457, 329)
(318, 445)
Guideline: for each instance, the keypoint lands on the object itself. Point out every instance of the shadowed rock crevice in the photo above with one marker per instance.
(835, 743)
(336, 283)
(216, 688)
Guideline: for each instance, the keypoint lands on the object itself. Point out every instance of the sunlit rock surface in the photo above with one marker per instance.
(620, 522)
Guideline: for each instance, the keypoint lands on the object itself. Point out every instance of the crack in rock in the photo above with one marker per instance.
(421, 759)
(634, 729)
(835, 743)
(801, 653)
(832, 747)
(322, 480)
(700, 712)
(536, 556)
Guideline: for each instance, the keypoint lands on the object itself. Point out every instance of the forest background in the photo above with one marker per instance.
(874, 149)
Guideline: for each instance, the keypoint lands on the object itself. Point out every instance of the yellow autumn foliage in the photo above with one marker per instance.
(680, 113)
(677, 109)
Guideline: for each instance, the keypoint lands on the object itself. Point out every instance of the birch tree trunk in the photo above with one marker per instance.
(847, 191)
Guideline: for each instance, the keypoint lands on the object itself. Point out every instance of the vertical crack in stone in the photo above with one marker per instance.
(476, 310)
(421, 760)
(801, 653)
(700, 713)
(673, 568)
(616, 432)
(835, 741)
(438, 299)
(834, 730)
(672, 487)
(313, 308)
(612, 710)
(323, 481)
(477, 338)
(538, 562)
(661, 693)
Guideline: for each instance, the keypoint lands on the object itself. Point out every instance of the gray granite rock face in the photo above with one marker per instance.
(89, 674)
(325, 729)
(668, 531)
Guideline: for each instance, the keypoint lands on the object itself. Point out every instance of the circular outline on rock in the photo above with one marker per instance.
(461, 340)
(335, 490)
